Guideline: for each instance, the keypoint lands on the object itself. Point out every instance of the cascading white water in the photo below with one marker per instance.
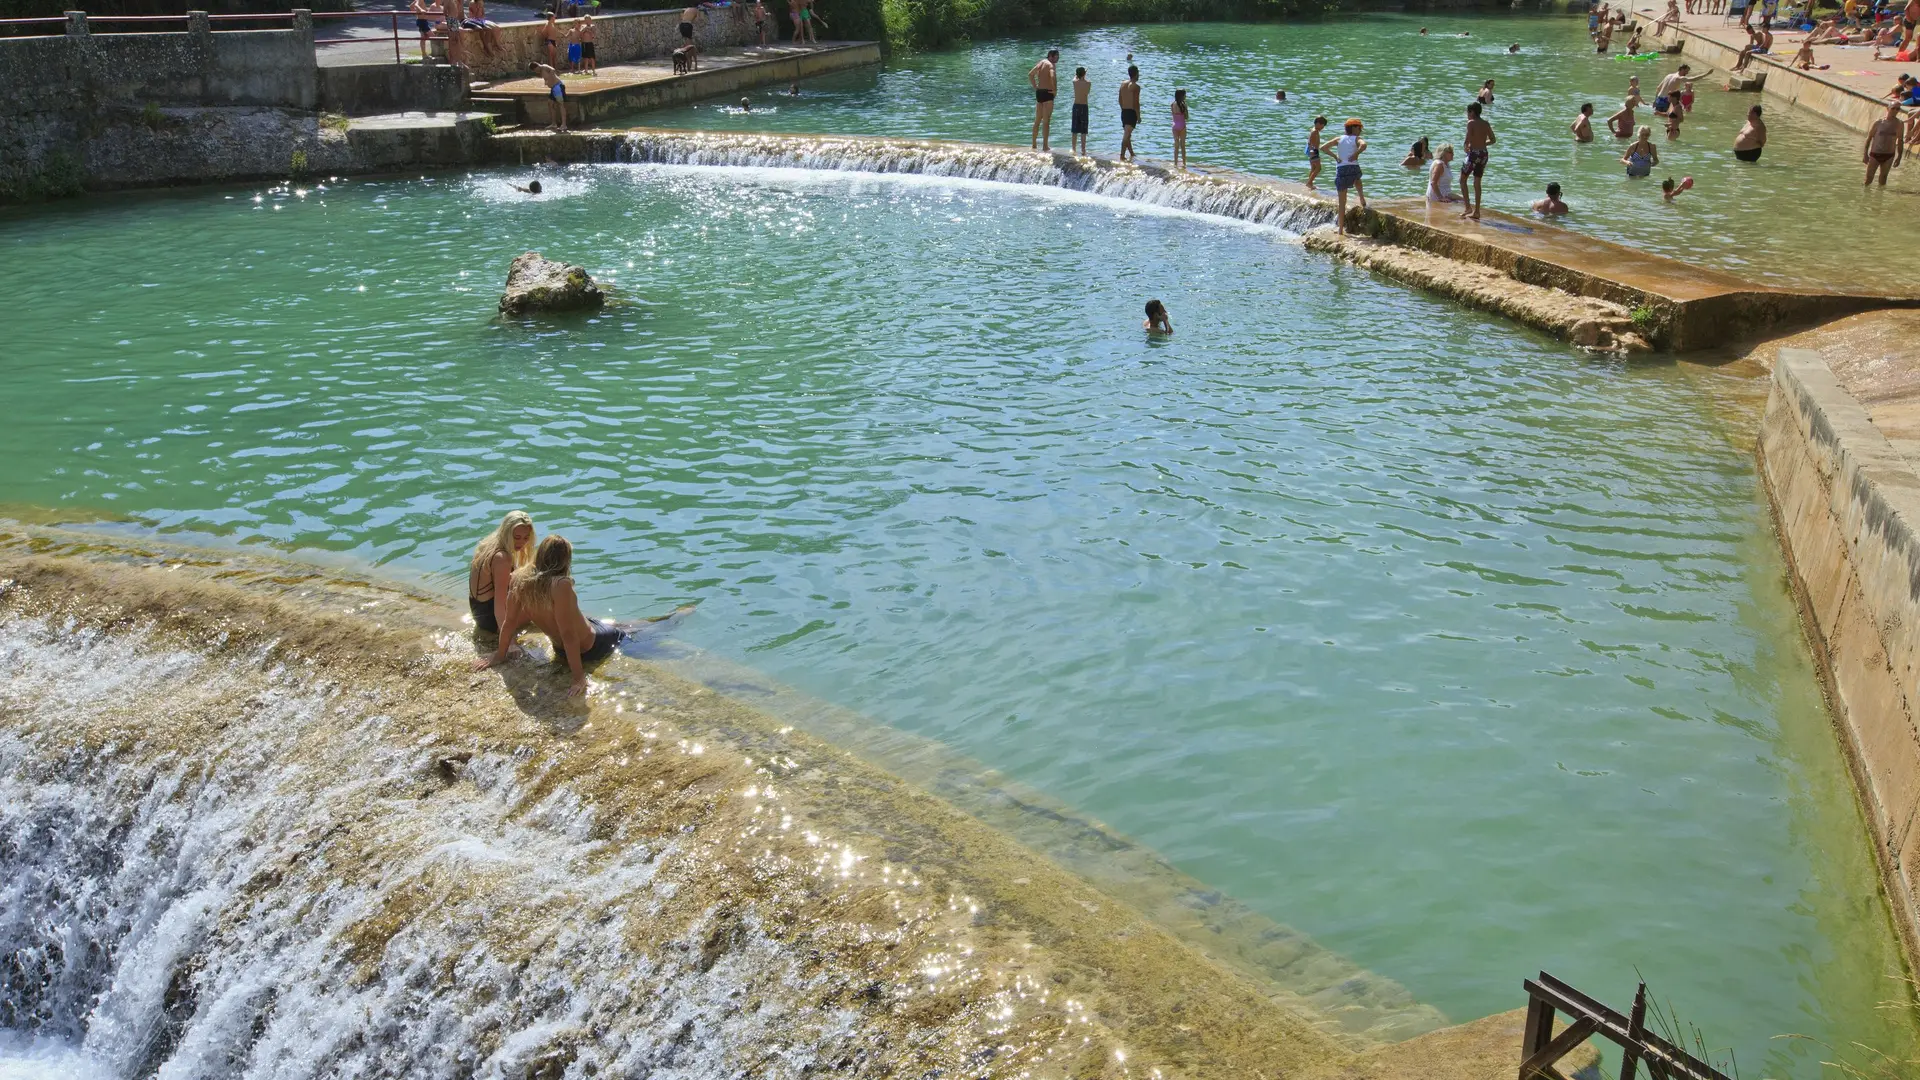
(219, 863)
(1239, 198)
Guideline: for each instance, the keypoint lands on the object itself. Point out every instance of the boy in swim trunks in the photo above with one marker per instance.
(1081, 118)
(573, 49)
(1044, 82)
(1479, 138)
(422, 23)
(556, 94)
(759, 12)
(1129, 111)
(589, 55)
(1884, 145)
(687, 17)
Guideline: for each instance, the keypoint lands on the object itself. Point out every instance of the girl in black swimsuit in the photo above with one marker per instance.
(495, 558)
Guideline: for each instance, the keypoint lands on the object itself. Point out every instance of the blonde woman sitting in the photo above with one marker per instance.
(542, 594)
(495, 558)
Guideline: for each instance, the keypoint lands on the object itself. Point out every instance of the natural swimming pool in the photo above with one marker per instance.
(1464, 652)
(1796, 216)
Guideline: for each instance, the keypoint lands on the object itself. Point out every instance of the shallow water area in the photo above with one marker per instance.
(1754, 219)
(1463, 652)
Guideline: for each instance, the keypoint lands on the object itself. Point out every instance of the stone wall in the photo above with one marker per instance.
(1837, 103)
(1847, 504)
(60, 95)
(360, 89)
(514, 48)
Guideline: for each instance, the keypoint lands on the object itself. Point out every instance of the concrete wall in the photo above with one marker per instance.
(619, 37)
(1847, 505)
(59, 95)
(1848, 107)
(586, 109)
(360, 89)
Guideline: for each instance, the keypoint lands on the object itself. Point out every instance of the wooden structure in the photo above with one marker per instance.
(1540, 1049)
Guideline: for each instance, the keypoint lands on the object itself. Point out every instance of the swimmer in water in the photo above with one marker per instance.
(1279, 95)
(532, 188)
(1157, 320)
(746, 105)
(1671, 191)
(495, 558)
(1552, 204)
(1583, 124)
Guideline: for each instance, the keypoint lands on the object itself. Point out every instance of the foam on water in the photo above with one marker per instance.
(1118, 187)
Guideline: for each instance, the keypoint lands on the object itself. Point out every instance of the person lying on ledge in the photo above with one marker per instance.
(542, 594)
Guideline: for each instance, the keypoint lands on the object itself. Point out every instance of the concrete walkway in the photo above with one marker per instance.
(1852, 70)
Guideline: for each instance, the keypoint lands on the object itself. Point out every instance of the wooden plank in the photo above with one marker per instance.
(1541, 1060)
(1636, 1026)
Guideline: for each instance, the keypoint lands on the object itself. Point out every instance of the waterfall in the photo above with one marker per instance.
(1240, 197)
(244, 835)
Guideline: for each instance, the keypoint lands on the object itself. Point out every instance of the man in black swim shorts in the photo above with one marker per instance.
(1129, 111)
(686, 29)
(1081, 121)
(1044, 83)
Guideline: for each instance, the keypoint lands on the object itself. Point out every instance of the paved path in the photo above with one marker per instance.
(655, 69)
(371, 36)
(1853, 66)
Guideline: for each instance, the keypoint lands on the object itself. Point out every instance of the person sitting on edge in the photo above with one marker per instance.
(1042, 78)
(1440, 176)
(1418, 156)
(1158, 322)
(557, 95)
(1550, 205)
(1752, 138)
(495, 558)
(1641, 157)
(1582, 125)
(542, 594)
(1082, 113)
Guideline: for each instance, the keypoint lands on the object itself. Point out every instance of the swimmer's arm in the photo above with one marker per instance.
(566, 612)
(502, 569)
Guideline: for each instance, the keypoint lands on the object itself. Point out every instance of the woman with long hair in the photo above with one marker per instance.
(495, 558)
(542, 594)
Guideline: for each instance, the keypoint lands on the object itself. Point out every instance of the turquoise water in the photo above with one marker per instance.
(1464, 652)
(1798, 215)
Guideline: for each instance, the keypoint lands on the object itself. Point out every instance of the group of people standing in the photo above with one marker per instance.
(1044, 78)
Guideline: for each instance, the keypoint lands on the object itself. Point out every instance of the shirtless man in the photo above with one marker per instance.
(1081, 108)
(1129, 111)
(1884, 145)
(1909, 20)
(588, 51)
(1667, 97)
(1044, 82)
(423, 23)
(1479, 138)
(542, 594)
(456, 46)
(1621, 123)
(1752, 138)
(759, 13)
(556, 94)
(1583, 124)
(1606, 37)
(687, 18)
(1670, 18)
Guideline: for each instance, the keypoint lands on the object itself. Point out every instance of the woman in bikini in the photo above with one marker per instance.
(542, 594)
(1179, 129)
(495, 558)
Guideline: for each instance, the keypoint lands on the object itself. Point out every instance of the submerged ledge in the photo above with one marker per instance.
(321, 740)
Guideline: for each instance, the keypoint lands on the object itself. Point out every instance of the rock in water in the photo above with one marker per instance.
(536, 284)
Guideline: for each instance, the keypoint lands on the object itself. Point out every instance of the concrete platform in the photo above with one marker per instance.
(651, 83)
(1689, 307)
(1851, 91)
